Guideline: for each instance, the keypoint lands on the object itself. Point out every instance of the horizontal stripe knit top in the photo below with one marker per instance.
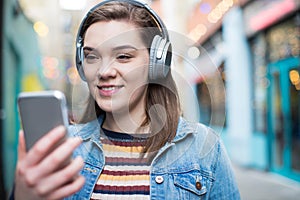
(126, 172)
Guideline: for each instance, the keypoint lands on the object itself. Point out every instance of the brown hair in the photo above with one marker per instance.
(163, 92)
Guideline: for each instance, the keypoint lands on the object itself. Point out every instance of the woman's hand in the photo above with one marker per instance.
(41, 174)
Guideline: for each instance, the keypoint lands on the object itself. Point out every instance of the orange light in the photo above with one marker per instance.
(73, 75)
(40, 28)
(51, 70)
(294, 77)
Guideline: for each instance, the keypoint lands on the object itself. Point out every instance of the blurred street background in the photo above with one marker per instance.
(236, 64)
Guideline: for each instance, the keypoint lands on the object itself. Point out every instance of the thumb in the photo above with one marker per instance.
(21, 146)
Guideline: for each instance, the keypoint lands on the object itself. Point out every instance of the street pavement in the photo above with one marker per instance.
(260, 185)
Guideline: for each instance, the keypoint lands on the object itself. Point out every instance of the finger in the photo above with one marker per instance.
(20, 169)
(21, 146)
(44, 145)
(62, 177)
(54, 161)
(68, 189)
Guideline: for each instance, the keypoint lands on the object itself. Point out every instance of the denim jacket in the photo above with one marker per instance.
(193, 166)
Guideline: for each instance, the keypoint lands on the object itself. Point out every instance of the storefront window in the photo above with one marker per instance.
(260, 82)
(211, 89)
(212, 110)
(283, 40)
(294, 85)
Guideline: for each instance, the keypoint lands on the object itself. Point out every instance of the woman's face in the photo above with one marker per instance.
(116, 66)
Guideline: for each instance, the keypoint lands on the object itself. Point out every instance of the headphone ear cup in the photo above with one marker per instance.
(152, 62)
(79, 61)
(160, 58)
(81, 73)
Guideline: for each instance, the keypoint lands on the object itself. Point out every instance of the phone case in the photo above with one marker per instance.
(40, 112)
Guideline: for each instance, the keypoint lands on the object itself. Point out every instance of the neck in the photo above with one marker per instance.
(125, 123)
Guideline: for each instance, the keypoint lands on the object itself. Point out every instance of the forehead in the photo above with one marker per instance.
(112, 32)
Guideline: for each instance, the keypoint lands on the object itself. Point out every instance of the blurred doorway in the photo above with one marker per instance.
(284, 117)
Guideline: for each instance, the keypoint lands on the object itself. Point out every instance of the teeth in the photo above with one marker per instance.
(108, 88)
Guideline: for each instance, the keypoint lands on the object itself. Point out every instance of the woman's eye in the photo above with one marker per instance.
(91, 58)
(124, 57)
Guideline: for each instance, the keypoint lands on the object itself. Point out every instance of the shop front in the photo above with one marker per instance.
(284, 116)
(20, 59)
(260, 71)
(275, 47)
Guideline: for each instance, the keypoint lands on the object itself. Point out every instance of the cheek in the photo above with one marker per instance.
(138, 74)
(137, 80)
(90, 73)
(137, 87)
(91, 86)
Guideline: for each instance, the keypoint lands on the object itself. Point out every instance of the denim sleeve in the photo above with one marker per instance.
(224, 187)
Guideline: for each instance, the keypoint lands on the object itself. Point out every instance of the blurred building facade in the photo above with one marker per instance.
(19, 71)
(36, 54)
(260, 53)
(246, 64)
(2, 189)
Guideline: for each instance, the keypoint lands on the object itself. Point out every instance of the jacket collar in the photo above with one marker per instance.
(91, 129)
(184, 128)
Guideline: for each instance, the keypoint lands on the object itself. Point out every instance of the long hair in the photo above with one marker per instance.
(163, 92)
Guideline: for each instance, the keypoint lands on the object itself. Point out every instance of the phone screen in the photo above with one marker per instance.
(40, 112)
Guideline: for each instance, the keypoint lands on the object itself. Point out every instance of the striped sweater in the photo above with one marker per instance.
(126, 172)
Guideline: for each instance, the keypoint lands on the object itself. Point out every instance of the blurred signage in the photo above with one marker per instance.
(261, 14)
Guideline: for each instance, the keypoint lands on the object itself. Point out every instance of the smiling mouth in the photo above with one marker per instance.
(109, 90)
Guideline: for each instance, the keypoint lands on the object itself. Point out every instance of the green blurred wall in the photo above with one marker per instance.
(20, 57)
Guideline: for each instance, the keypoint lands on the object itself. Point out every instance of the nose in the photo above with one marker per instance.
(107, 71)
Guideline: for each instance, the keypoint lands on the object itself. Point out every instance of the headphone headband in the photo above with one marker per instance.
(136, 3)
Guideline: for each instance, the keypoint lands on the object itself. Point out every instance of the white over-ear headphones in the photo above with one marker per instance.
(160, 50)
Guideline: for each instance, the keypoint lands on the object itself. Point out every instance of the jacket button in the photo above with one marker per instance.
(159, 179)
(198, 185)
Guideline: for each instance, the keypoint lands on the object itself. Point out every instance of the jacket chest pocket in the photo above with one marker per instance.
(193, 184)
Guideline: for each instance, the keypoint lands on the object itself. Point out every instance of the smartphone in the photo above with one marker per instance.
(40, 112)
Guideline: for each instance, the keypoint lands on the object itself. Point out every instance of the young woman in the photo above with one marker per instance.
(134, 142)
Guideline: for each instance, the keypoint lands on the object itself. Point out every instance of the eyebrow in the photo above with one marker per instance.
(87, 48)
(124, 47)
